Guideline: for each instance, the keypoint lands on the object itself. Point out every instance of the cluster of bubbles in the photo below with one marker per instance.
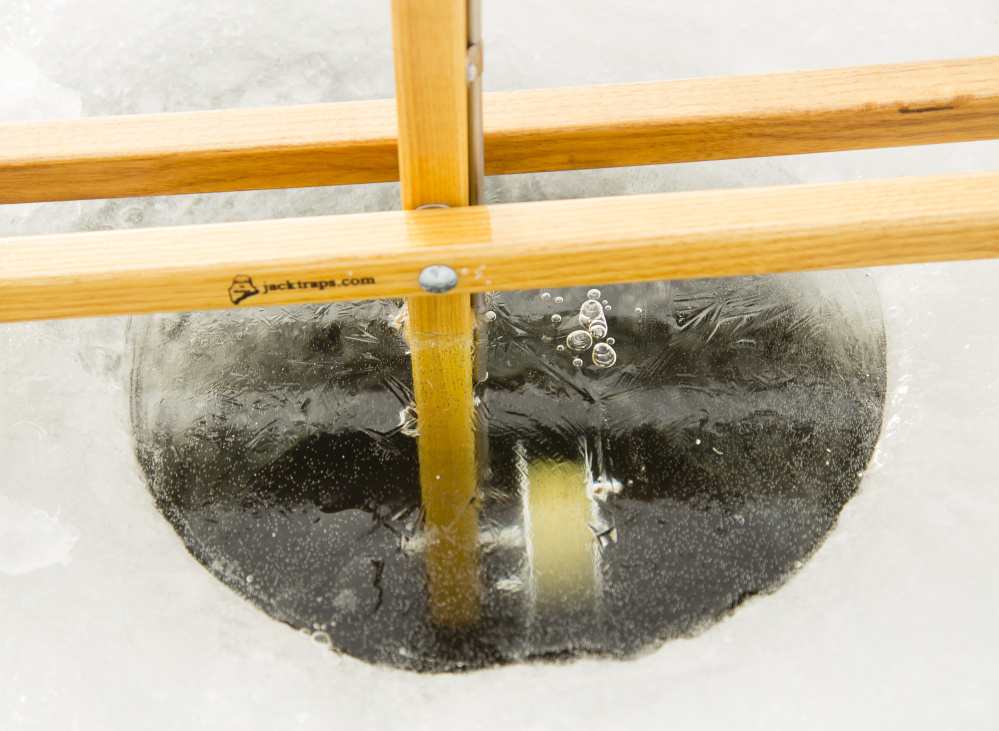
(592, 333)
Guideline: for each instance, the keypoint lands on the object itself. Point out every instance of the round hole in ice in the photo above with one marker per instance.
(687, 477)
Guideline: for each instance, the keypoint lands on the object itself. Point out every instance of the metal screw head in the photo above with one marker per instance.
(438, 278)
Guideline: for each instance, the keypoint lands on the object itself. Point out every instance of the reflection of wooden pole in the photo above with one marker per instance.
(430, 79)
(562, 547)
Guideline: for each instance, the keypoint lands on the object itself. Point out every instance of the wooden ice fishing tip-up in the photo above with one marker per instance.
(437, 258)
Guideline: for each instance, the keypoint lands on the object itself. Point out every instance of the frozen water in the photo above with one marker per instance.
(891, 624)
(716, 457)
(27, 94)
(579, 340)
(604, 355)
(589, 311)
(31, 539)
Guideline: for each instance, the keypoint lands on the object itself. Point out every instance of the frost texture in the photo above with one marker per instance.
(719, 447)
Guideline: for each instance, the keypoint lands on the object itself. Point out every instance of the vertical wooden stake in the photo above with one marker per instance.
(430, 78)
(440, 338)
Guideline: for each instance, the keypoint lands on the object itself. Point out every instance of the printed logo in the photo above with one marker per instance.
(241, 288)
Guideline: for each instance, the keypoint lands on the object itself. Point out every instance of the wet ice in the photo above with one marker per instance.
(280, 444)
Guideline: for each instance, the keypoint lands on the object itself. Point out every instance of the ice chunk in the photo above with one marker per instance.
(32, 539)
(25, 92)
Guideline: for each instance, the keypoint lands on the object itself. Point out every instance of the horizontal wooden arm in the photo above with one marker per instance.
(500, 247)
(525, 131)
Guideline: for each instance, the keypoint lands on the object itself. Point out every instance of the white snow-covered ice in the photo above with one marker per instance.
(107, 622)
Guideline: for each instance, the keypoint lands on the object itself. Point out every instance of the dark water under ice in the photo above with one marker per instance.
(729, 431)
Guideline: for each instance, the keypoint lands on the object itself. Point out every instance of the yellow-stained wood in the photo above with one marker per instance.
(743, 116)
(198, 152)
(525, 131)
(510, 246)
(439, 331)
(430, 41)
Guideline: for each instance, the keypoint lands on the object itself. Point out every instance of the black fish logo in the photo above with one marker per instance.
(241, 288)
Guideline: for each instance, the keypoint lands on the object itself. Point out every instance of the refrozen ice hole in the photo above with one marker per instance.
(734, 424)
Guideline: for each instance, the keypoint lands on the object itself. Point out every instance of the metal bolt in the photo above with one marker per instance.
(438, 278)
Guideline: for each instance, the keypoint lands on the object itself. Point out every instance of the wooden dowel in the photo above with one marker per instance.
(199, 152)
(498, 247)
(744, 116)
(439, 331)
(430, 41)
(526, 131)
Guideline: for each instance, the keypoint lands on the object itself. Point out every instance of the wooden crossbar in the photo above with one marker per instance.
(499, 247)
(525, 131)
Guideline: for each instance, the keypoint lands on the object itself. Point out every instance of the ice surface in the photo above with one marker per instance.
(31, 539)
(27, 94)
(891, 624)
(710, 444)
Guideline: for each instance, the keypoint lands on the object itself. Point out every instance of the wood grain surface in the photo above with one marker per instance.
(430, 40)
(526, 131)
(498, 247)
(743, 116)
